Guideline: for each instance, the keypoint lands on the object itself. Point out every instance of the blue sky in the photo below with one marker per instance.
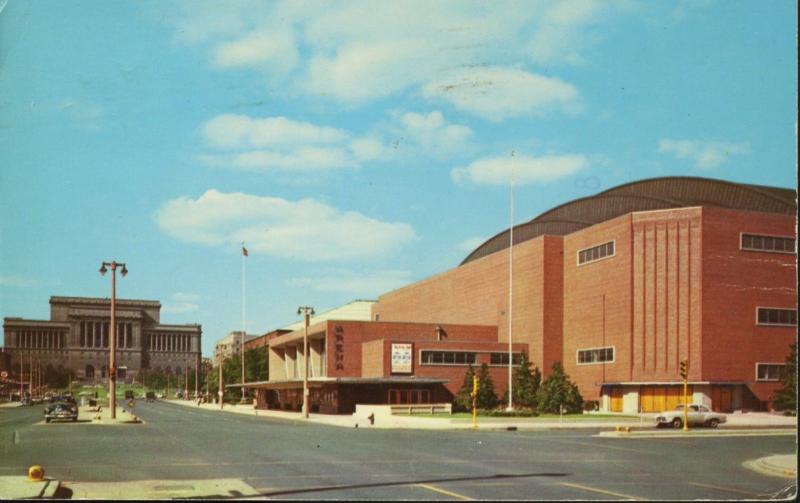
(355, 147)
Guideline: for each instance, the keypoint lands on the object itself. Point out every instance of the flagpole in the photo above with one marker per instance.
(510, 284)
(244, 254)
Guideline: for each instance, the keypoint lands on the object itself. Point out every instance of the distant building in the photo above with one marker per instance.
(231, 345)
(76, 338)
(358, 310)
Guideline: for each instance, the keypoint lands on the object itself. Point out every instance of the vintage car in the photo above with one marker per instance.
(61, 410)
(698, 415)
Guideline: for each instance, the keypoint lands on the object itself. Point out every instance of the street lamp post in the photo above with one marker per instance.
(112, 336)
(307, 312)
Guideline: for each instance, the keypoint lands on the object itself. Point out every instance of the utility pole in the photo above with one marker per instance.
(219, 393)
(112, 337)
(307, 311)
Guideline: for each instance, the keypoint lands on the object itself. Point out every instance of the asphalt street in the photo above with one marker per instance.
(295, 460)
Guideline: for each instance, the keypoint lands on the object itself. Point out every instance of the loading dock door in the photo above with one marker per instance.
(660, 398)
(616, 399)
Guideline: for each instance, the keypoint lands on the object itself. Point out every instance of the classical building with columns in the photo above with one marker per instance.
(76, 337)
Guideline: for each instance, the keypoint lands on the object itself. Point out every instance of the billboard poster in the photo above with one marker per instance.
(401, 358)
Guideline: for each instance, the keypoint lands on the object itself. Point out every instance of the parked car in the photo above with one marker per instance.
(27, 401)
(61, 410)
(129, 394)
(698, 415)
(150, 396)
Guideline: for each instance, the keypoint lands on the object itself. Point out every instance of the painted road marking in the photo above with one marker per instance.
(442, 491)
(601, 491)
(729, 489)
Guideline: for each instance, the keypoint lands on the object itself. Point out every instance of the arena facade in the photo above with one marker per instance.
(623, 285)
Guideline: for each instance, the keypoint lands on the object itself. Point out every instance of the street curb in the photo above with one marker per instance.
(778, 466)
(716, 433)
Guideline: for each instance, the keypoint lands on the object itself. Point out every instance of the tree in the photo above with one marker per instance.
(786, 397)
(525, 384)
(487, 399)
(463, 400)
(558, 390)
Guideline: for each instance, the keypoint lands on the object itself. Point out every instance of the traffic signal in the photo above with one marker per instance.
(684, 369)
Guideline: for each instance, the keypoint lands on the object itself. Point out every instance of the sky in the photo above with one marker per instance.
(354, 147)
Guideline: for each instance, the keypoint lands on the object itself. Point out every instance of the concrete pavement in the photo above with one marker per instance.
(646, 421)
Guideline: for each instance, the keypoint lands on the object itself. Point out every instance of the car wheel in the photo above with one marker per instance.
(47, 420)
(713, 423)
(677, 423)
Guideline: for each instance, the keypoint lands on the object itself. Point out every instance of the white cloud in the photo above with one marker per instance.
(497, 93)
(179, 307)
(358, 51)
(230, 131)
(278, 143)
(302, 230)
(704, 154)
(432, 133)
(18, 281)
(497, 170)
(272, 49)
(359, 284)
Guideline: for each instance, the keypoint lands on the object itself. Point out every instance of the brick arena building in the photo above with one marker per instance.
(76, 338)
(623, 285)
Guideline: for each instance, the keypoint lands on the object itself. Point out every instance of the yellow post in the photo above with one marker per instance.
(475, 385)
(685, 405)
(685, 376)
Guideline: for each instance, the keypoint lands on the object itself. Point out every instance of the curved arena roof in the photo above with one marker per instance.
(644, 195)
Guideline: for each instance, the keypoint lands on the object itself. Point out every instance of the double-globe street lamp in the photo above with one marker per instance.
(307, 312)
(112, 336)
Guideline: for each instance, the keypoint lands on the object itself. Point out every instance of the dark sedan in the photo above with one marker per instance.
(61, 410)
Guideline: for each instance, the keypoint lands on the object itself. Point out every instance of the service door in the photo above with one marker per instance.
(616, 399)
(721, 399)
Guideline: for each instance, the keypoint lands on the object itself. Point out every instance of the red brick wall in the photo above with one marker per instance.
(736, 282)
(477, 293)
(584, 289)
(667, 307)
(359, 335)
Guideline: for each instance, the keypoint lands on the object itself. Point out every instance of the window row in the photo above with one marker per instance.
(502, 359)
(447, 358)
(769, 371)
(40, 339)
(95, 334)
(779, 244)
(464, 358)
(776, 316)
(596, 253)
(596, 355)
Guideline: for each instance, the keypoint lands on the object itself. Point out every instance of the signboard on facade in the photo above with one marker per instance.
(401, 358)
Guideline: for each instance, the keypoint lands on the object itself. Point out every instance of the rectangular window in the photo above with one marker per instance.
(776, 244)
(769, 371)
(502, 358)
(776, 316)
(447, 358)
(595, 355)
(596, 253)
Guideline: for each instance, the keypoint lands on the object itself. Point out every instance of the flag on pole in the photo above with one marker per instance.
(244, 251)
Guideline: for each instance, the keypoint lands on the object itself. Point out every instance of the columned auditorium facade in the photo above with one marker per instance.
(77, 338)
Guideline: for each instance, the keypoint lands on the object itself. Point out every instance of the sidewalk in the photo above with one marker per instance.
(647, 421)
